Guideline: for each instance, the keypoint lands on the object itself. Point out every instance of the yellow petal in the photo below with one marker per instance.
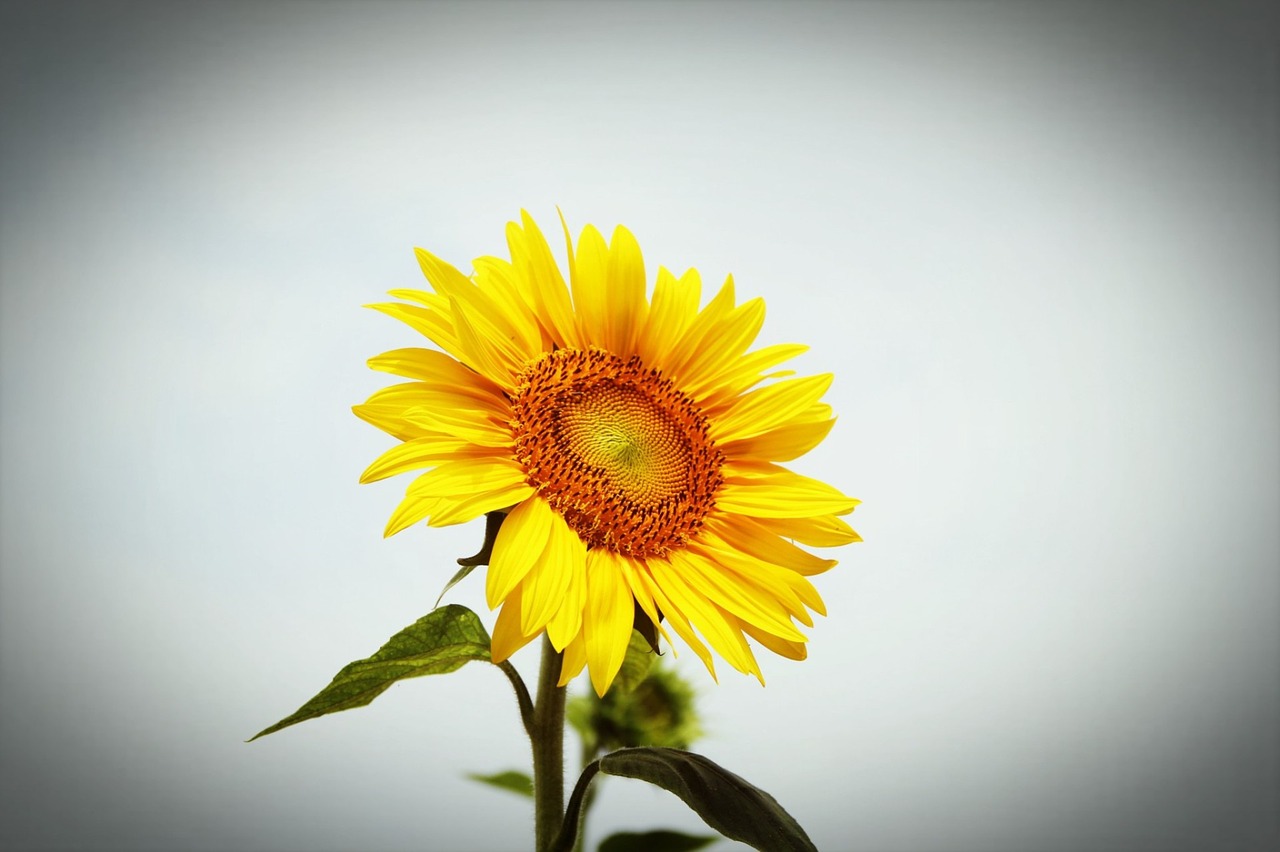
(790, 589)
(736, 627)
(768, 407)
(778, 493)
(411, 510)
(822, 531)
(631, 570)
(444, 277)
(784, 443)
(574, 659)
(566, 623)
(753, 537)
(450, 510)
(435, 325)
(485, 353)
(708, 618)
(507, 638)
(781, 647)
(808, 593)
(468, 424)
(390, 419)
(675, 304)
(437, 368)
(590, 277)
(625, 306)
(419, 453)
(467, 476)
(420, 297)
(733, 593)
(508, 292)
(425, 409)
(530, 253)
(743, 373)
(462, 292)
(458, 400)
(488, 320)
(607, 620)
(703, 328)
(520, 542)
(732, 338)
(674, 615)
(547, 583)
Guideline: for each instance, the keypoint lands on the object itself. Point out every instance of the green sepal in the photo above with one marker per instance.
(655, 841)
(640, 621)
(457, 578)
(732, 806)
(492, 523)
(636, 663)
(442, 641)
(511, 780)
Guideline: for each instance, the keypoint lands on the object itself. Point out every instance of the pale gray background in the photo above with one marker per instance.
(1037, 243)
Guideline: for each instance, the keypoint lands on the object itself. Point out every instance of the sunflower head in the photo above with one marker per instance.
(632, 440)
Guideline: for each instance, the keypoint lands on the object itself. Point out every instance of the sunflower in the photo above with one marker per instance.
(631, 443)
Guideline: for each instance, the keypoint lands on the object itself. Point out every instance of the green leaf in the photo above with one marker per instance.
(516, 782)
(727, 803)
(635, 665)
(442, 641)
(655, 841)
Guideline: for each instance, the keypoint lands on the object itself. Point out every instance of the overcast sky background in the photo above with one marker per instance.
(1036, 243)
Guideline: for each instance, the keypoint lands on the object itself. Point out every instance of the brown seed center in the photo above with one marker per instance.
(616, 449)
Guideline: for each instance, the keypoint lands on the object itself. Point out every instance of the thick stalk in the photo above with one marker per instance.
(548, 750)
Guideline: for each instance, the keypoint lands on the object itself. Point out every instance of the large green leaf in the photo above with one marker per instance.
(655, 841)
(512, 780)
(727, 803)
(442, 641)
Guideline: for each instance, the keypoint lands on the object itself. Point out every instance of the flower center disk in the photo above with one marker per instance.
(616, 449)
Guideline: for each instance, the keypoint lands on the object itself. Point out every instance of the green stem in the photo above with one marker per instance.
(571, 837)
(547, 735)
(522, 695)
(584, 799)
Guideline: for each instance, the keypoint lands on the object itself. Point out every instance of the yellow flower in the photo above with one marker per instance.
(630, 441)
